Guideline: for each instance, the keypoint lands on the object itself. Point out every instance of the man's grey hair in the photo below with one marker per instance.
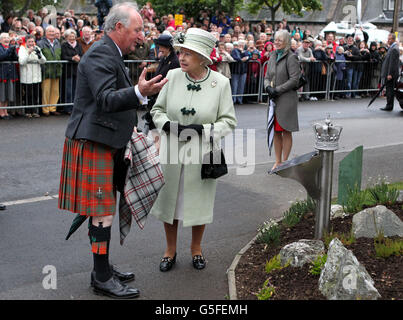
(4, 35)
(286, 37)
(49, 27)
(119, 13)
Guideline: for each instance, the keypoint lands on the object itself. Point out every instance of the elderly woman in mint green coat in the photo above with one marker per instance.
(194, 98)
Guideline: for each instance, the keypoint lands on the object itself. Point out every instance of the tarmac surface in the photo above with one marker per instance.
(33, 229)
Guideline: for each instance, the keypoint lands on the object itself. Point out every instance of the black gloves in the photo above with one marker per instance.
(272, 92)
(149, 119)
(178, 128)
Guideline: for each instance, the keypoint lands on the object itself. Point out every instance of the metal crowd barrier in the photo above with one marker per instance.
(28, 95)
(327, 80)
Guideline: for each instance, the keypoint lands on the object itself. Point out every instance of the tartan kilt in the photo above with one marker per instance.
(86, 180)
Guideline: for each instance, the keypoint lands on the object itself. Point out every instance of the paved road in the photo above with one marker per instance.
(32, 234)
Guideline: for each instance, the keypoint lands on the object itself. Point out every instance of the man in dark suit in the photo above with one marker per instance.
(390, 71)
(102, 121)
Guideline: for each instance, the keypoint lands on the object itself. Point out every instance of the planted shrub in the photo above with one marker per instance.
(269, 233)
(382, 193)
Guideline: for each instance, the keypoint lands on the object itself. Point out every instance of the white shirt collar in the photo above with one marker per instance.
(120, 51)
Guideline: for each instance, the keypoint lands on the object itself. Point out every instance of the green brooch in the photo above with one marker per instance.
(187, 112)
(194, 87)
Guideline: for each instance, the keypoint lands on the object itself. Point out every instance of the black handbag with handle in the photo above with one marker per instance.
(301, 79)
(213, 165)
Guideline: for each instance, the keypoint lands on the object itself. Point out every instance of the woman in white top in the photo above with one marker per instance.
(30, 58)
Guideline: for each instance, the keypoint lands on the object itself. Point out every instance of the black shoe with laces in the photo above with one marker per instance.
(115, 289)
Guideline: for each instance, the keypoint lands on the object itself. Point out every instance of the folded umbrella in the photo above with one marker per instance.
(376, 95)
(77, 222)
(270, 124)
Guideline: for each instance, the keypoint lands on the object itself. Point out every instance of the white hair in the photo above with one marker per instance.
(229, 45)
(285, 36)
(69, 32)
(119, 13)
(4, 35)
(87, 28)
(49, 27)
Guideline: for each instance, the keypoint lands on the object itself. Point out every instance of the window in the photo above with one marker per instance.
(389, 5)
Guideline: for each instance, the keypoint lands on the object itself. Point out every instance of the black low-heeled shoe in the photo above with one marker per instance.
(167, 263)
(199, 262)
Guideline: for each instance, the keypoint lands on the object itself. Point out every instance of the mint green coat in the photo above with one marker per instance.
(213, 104)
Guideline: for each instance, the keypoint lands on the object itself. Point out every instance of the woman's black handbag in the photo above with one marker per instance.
(213, 165)
(301, 80)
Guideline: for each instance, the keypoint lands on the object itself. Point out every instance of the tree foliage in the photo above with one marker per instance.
(192, 8)
(288, 6)
(20, 7)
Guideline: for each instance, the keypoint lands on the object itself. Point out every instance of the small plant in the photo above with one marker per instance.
(356, 199)
(291, 218)
(318, 265)
(269, 233)
(275, 264)
(385, 247)
(382, 193)
(297, 210)
(346, 239)
(266, 292)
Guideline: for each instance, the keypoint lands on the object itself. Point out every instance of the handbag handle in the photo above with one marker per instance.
(212, 135)
(211, 142)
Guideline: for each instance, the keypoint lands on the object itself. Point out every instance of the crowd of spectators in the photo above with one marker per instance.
(242, 50)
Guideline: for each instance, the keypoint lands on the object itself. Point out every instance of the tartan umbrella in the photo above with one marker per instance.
(77, 222)
(376, 95)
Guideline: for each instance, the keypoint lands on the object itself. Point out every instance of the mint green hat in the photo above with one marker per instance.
(197, 40)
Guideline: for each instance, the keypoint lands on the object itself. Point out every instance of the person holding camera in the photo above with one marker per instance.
(8, 74)
(30, 58)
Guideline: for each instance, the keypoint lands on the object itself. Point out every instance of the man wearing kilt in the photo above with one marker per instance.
(101, 124)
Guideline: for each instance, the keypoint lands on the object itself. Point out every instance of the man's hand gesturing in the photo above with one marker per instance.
(151, 87)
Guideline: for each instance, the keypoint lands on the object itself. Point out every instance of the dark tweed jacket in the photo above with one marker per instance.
(105, 100)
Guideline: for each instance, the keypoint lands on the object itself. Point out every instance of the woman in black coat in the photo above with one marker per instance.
(168, 60)
(72, 52)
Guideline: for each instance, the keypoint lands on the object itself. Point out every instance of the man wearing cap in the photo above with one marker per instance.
(390, 71)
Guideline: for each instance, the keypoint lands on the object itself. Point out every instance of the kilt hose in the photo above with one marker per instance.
(86, 180)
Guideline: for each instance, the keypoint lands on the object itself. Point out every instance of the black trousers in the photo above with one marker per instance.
(390, 92)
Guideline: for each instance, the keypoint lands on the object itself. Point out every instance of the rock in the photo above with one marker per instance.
(369, 222)
(400, 197)
(344, 278)
(301, 252)
(336, 211)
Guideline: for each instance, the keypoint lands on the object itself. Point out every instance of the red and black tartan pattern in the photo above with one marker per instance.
(86, 181)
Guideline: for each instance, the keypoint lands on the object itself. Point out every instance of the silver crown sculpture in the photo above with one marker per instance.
(327, 135)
